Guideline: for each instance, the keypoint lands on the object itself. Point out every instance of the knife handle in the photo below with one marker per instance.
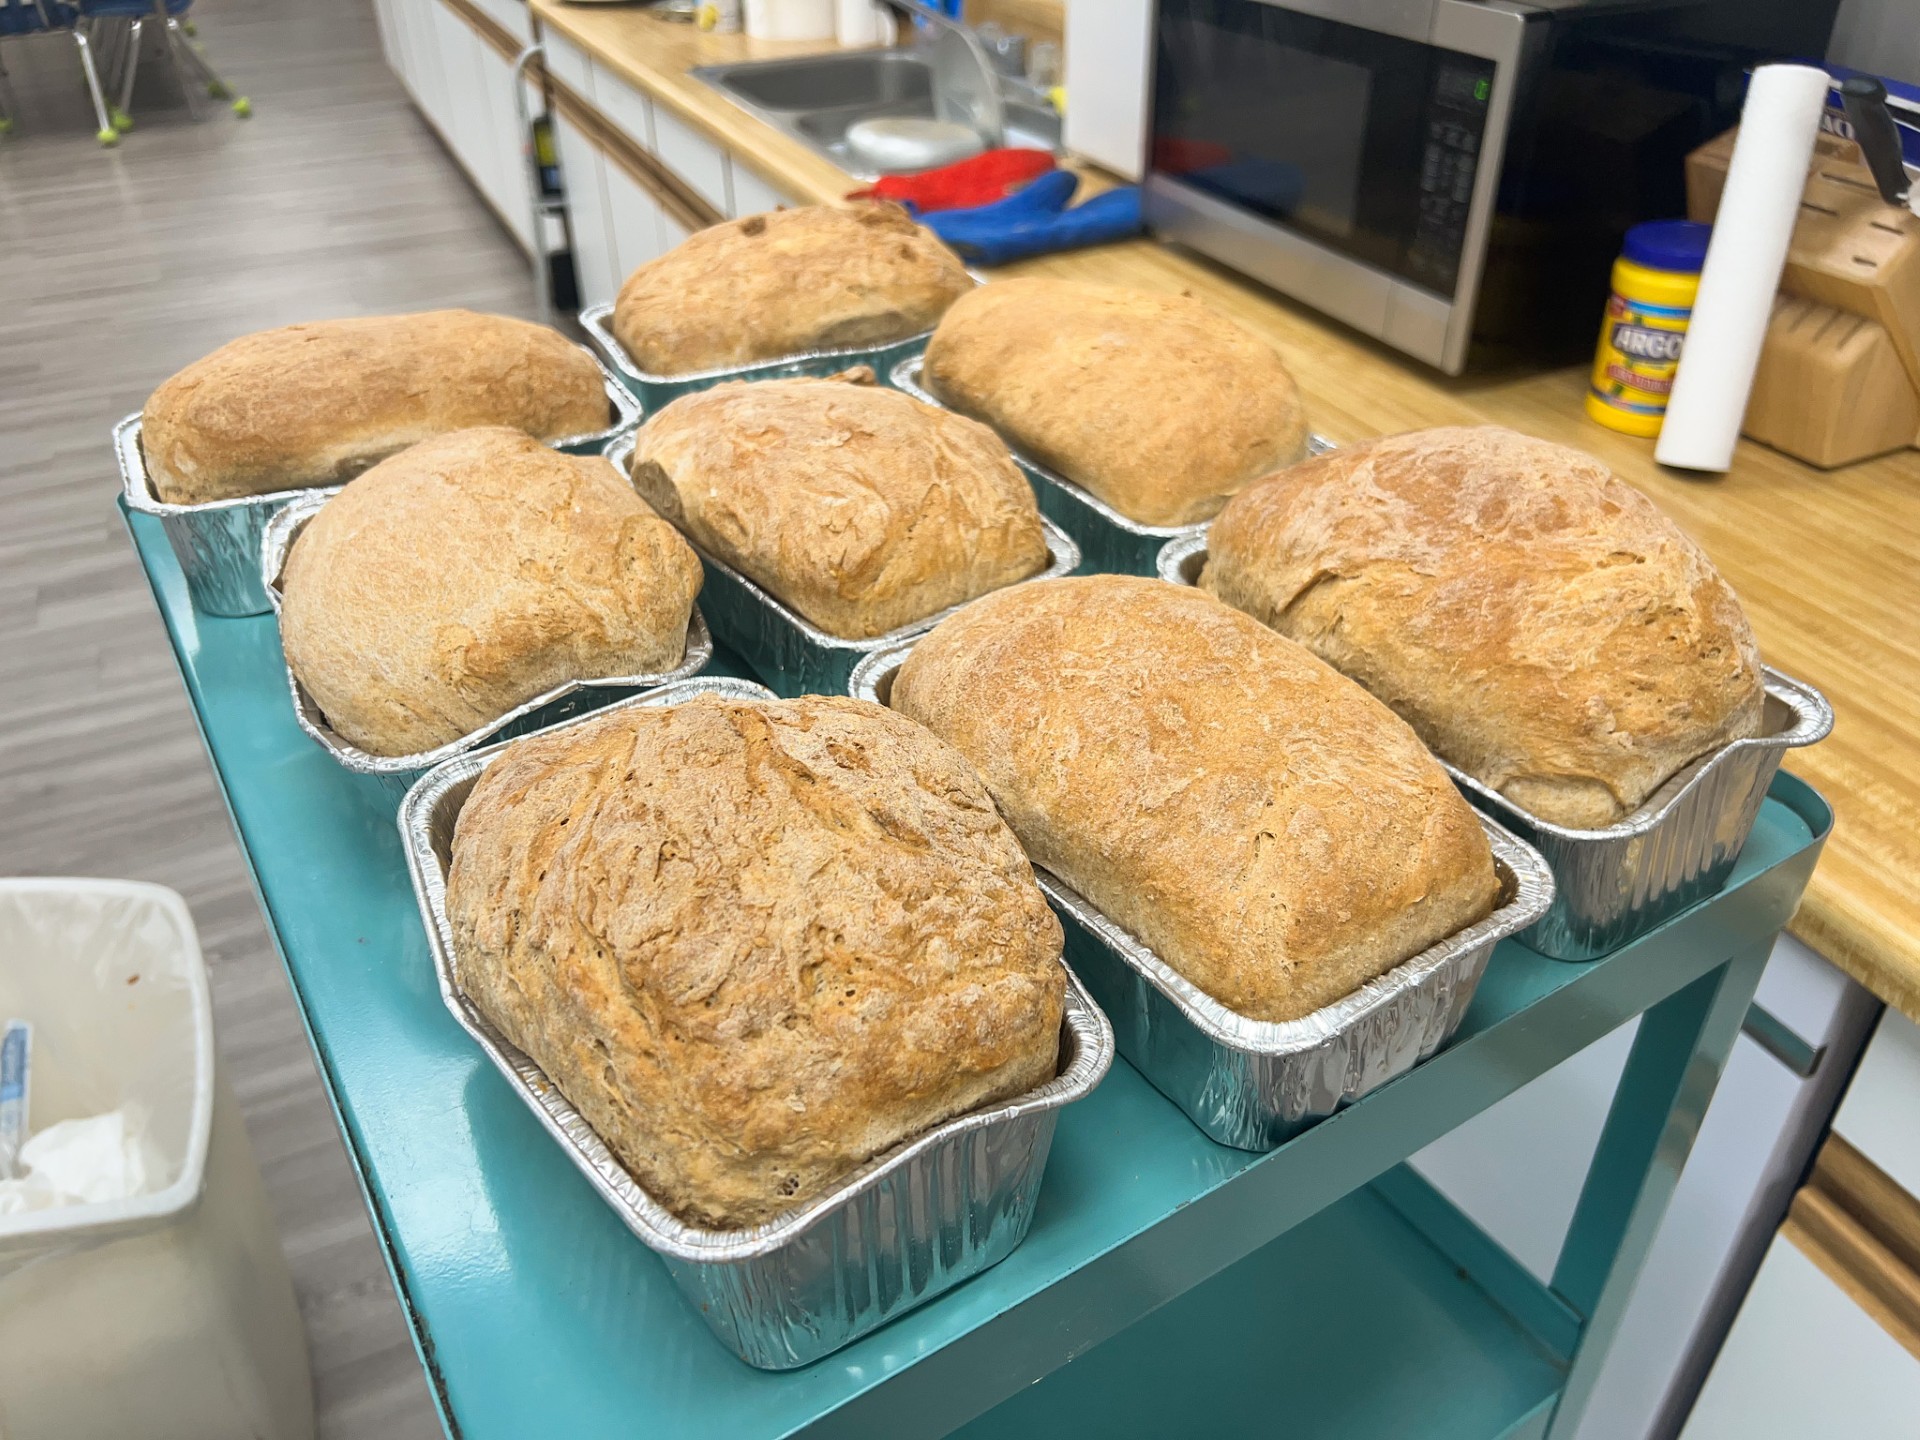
(1865, 99)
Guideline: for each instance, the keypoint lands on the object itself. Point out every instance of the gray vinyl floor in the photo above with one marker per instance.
(116, 268)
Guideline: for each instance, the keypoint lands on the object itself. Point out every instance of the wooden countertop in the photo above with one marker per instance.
(1827, 563)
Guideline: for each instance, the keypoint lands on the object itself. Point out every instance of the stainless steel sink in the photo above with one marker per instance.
(815, 98)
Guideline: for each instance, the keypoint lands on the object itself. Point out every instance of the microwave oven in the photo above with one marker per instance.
(1452, 177)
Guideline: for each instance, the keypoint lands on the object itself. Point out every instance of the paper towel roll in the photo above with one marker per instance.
(1751, 233)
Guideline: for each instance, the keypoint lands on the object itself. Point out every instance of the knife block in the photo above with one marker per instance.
(1839, 377)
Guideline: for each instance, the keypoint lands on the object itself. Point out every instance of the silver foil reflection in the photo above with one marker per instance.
(218, 542)
(1613, 885)
(397, 772)
(1254, 1084)
(903, 1229)
(785, 649)
(1110, 543)
(655, 391)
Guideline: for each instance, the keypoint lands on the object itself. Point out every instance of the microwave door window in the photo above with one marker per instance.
(1319, 126)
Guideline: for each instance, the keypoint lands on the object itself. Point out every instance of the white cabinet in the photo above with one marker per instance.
(698, 161)
(583, 171)
(1881, 1115)
(754, 196)
(568, 63)
(500, 169)
(1803, 1360)
(625, 106)
(633, 217)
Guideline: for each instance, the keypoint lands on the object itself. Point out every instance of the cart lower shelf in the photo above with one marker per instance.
(1169, 1286)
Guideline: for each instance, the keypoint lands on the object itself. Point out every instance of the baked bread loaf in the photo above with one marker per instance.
(467, 575)
(864, 509)
(1270, 830)
(755, 944)
(313, 405)
(771, 285)
(1538, 622)
(1156, 404)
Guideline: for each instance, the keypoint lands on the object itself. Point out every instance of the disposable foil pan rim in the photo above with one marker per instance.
(278, 540)
(1088, 1038)
(1063, 558)
(595, 321)
(1181, 561)
(137, 484)
(906, 377)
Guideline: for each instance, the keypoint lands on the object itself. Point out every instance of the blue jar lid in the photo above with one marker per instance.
(1668, 244)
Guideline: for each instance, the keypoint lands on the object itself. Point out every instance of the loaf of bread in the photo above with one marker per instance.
(313, 405)
(771, 285)
(1270, 830)
(1156, 404)
(1540, 624)
(862, 508)
(754, 944)
(467, 575)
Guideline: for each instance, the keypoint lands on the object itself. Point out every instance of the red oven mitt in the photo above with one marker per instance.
(981, 180)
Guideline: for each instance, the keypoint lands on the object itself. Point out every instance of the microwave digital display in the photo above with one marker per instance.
(1367, 143)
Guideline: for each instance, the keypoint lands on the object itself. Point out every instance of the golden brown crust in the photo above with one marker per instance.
(467, 575)
(312, 405)
(756, 945)
(862, 508)
(1157, 404)
(1536, 619)
(770, 285)
(1269, 829)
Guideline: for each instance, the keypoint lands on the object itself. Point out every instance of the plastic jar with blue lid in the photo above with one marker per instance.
(1654, 283)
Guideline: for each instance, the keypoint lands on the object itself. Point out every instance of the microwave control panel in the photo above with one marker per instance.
(1455, 126)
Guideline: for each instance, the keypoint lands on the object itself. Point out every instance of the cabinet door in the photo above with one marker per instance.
(693, 157)
(633, 217)
(1877, 1117)
(584, 170)
(1804, 1360)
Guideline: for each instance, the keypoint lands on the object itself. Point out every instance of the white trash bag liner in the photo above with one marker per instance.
(163, 1313)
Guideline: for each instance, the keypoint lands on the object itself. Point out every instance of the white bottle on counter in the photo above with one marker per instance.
(790, 19)
(864, 22)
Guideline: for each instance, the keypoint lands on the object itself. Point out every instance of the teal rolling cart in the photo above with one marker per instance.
(1169, 1288)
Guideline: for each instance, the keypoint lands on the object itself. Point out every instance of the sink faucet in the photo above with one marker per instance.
(966, 87)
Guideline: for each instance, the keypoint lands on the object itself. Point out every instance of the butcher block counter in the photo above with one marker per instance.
(1827, 563)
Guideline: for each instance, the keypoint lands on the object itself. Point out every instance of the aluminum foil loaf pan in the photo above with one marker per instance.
(1110, 543)
(1615, 884)
(218, 542)
(397, 772)
(906, 1227)
(654, 391)
(785, 649)
(1254, 1084)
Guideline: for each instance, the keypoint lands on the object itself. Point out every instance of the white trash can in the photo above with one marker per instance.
(169, 1316)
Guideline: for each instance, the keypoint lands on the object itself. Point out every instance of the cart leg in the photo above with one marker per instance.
(188, 57)
(105, 134)
(1678, 1055)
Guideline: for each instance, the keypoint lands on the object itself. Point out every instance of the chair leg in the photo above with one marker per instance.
(106, 134)
(123, 113)
(7, 103)
(195, 59)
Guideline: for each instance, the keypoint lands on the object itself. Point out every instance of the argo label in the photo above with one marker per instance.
(1638, 355)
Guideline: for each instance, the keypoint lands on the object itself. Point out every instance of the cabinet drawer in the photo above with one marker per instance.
(754, 196)
(693, 157)
(625, 106)
(568, 63)
(1878, 1116)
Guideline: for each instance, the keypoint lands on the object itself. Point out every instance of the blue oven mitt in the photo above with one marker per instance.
(1035, 221)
